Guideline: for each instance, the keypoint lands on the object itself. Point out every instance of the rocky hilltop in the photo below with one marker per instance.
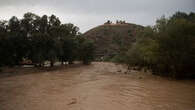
(109, 37)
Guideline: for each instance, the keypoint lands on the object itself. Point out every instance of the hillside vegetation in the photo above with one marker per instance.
(109, 39)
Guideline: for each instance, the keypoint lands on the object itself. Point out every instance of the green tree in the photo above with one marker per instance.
(39, 39)
(167, 48)
(86, 50)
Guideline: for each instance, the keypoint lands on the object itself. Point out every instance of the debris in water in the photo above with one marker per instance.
(73, 101)
(119, 71)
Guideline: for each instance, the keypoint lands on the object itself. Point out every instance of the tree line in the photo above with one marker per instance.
(167, 48)
(39, 39)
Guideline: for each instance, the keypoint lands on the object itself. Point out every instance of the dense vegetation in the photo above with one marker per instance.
(39, 39)
(168, 48)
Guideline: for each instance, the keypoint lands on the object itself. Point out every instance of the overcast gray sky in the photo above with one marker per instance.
(87, 14)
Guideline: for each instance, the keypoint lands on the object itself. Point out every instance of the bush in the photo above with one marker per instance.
(167, 49)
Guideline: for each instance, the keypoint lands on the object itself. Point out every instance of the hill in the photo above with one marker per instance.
(109, 38)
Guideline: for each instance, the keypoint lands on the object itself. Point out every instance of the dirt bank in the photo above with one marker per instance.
(100, 86)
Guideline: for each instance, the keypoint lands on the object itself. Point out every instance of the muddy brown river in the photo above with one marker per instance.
(100, 86)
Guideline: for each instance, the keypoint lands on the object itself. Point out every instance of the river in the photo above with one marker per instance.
(100, 86)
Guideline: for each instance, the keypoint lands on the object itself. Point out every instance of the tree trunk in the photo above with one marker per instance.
(62, 62)
(70, 62)
(39, 64)
(51, 63)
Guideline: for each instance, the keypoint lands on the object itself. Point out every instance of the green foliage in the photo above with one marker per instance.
(176, 47)
(41, 39)
(118, 58)
(168, 48)
(38, 48)
(86, 50)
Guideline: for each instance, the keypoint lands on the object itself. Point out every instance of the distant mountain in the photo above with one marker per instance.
(109, 38)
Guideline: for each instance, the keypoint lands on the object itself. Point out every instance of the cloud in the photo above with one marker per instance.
(90, 13)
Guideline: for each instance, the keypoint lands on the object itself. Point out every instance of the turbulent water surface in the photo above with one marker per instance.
(100, 86)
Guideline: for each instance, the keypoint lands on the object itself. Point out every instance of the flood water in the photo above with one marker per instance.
(100, 86)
